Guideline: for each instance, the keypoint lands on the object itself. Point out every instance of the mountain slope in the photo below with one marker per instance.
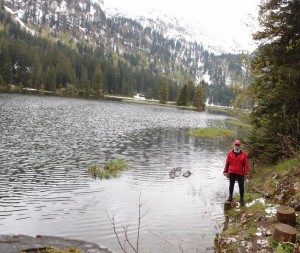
(143, 43)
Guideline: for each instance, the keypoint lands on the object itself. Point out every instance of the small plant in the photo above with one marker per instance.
(250, 196)
(285, 247)
(232, 230)
(232, 248)
(111, 169)
(250, 231)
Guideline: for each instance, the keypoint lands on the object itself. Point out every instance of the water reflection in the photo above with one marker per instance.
(47, 143)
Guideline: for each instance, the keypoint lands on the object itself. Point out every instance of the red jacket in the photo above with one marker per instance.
(236, 163)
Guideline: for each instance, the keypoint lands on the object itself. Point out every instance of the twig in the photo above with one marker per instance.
(112, 221)
(127, 239)
(168, 241)
(176, 244)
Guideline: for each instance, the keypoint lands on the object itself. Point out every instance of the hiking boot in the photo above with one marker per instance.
(229, 199)
(242, 202)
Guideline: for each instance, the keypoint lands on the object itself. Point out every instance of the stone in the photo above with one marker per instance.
(17, 243)
(228, 205)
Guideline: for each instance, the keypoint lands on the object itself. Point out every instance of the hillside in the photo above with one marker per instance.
(141, 46)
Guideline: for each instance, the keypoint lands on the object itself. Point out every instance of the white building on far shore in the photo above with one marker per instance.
(139, 96)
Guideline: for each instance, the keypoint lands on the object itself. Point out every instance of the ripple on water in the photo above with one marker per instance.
(48, 143)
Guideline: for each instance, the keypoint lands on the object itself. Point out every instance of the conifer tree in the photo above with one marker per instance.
(191, 92)
(5, 65)
(50, 79)
(164, 92)
(183, 97)
(276, 87)
(97, 82)
(199, 100)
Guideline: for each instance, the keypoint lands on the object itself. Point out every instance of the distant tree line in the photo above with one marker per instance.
(35, 63)
(28, 61)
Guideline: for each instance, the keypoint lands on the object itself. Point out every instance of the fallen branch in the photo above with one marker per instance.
(266, 195)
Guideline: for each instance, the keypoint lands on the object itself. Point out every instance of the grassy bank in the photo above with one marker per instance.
(250, 228)
(211, 132)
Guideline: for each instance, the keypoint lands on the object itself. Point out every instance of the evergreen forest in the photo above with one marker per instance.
(33, 62)
(73, 67)
(276, 84)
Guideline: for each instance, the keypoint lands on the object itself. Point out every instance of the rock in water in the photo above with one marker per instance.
(228, 205)
(187, 174)
(176, 172)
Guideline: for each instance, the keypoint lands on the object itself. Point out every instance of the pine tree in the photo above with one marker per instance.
(276, 87)
(191, 92)
(183, 97)
(199, 100)
(50, 79)
(5, 66)
(164, 92)
(97, 82)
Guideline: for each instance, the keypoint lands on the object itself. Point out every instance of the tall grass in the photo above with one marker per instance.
(238, 123)
(110, 170)
(211, 132)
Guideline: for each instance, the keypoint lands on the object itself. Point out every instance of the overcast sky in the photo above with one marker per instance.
(230, 18)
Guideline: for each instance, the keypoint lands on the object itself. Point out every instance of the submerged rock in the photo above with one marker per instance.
(176, 172)
(187, 174)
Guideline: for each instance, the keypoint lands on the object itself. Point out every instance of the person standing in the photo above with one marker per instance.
(236, 168)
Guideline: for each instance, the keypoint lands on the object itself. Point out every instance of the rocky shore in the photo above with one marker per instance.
(250, 228)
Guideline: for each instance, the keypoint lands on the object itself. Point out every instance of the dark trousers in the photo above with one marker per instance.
(240, 179)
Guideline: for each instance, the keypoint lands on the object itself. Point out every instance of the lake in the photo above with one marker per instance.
(48, 143)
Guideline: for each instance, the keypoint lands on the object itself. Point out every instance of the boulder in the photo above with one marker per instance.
(17, 243)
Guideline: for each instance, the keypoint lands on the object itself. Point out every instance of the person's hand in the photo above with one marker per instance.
(225, 174)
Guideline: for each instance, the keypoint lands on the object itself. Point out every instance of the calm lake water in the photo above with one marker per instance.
(47, 144)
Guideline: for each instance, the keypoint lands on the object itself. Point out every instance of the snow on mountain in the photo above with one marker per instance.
(210, 33)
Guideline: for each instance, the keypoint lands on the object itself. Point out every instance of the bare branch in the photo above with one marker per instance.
(112, 221)
(127, 239)
(125, 229)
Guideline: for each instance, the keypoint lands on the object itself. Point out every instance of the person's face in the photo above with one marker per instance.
(237, 146)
